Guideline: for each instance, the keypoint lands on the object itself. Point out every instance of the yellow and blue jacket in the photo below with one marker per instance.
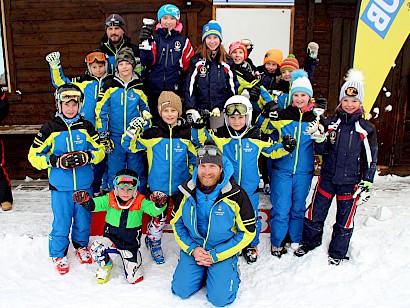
(57, 137)
(222, 222)
(171, 154)
(119, 103)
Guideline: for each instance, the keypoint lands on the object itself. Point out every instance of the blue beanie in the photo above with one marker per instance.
(169, 9)
(211, 28)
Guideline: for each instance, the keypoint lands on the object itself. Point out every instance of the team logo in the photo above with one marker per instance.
(177, 45)
(178, 148)
(78, 139)
(206, 28)
(172, 10)
(351, 91)
(202, 71)
(332, 137)
(248, 147)
(219, 211)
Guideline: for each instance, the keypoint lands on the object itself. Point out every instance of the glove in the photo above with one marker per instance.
(82, 197)
(146, 115)
(289, 143)
(216, 112)
(146, 34)
(321, 102)
(313, 50)
(53, 59)
(254, 93)
(70, 160)
(107, 142)
(137, 123)
(192, 116)
(270, 110)
(362, 192)
(159, 198)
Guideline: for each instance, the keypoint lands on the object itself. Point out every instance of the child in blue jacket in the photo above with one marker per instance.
(66, 146)
(121, 100)
(168, 59)
(171, 158)
(349, 165)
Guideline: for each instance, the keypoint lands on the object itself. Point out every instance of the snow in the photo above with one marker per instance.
(377, 274)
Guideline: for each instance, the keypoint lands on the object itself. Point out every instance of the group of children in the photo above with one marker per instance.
(274, 116)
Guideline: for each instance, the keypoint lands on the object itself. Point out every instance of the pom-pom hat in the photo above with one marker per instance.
(353, 86)
(169, 9)
(211, 28)
(274, 55)
(169, 99)
(238, 45)
(300, 83)
(289, 64)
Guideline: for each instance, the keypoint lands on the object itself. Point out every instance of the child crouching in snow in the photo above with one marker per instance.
(349, 165)
(122, 233)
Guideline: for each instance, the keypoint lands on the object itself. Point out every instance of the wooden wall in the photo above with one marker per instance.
(35, 28)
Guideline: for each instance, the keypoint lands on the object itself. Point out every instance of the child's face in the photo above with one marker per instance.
(286, 75)
(238, 56)
(212, 42)
(125, 193)
(169, 22)
(271, 66)
(125, 69)
(69, 109)
(169, 115)
(97, 69)
(350, 104)
(300, 99)
(237, 121)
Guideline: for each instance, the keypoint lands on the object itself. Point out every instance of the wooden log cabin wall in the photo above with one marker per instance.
(35, 28)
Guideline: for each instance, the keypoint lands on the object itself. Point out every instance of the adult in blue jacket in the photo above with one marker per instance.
(213, 220)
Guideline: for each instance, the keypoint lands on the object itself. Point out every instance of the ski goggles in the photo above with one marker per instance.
(95, 56)
(210, 152)
(114, 23)
(122, 181)
(69, 95)
(236, 109)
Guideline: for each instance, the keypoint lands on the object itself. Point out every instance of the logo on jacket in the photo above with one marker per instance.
(177, 46)
(78, 139)
(332, 137)
(178, 149)
(219, 211)
(202, 71)
(248, 148)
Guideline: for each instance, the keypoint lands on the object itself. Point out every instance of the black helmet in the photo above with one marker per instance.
(67, 92)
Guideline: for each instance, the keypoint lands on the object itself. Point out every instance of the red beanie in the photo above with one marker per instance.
(238, 45)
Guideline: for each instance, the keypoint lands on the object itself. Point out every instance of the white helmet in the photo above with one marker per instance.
(238, 104)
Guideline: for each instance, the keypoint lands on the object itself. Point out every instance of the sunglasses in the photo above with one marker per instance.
(111, 23)
(95, 56)
(122, 181)
(236, 108)
(70, 95)
(211, 152)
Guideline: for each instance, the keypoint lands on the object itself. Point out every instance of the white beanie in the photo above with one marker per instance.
(353, 86)
(300, 83)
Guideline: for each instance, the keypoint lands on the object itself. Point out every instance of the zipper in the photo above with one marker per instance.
(172, 57)
(166, 151)
(299, 132)
(240, 162)
(71, 146)
(350, 139)
(219, 72)
(170, 162)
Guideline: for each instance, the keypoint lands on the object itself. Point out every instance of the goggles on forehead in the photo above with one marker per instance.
(67, 96)
(236, 109)
(122, 181)
(95, 56)
(211, 152)
(113, 22)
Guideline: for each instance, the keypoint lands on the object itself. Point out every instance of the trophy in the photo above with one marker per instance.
(321, 106)
(148, 23)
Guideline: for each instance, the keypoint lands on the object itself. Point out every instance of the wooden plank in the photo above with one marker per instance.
(19, 129)
(335, 74)
(67, 37)
(52, 26)
(46, 14)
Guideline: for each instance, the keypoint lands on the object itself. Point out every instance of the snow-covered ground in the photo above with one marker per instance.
(377, 274)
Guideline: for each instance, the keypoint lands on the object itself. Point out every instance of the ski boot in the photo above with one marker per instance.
(333, 261)
(84, 255)
(61, 265)
(250, 254)
(156, 250)
(278, 251)
(302, 250)
(103, 272)
(6, 206)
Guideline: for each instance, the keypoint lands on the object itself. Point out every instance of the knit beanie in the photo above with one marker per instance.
(289, 64)
(353, 86)
(115, 20)
(211, 28)
(300, 83)
(205, 157)
(125, 54)
(238, 45)
(274, 55)
(169, 99)
(169, 9)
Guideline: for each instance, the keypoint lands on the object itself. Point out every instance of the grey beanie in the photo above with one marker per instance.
(206, 157)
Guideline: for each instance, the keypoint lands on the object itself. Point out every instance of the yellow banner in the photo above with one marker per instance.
(382, 29)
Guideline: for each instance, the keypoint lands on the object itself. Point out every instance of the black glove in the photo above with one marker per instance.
(70, 160)
(321, 102)
(270, 110)
(289, 143)
(159, 198)
(254, 93)
(82, 197)
(107, 142)
(146, 34)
